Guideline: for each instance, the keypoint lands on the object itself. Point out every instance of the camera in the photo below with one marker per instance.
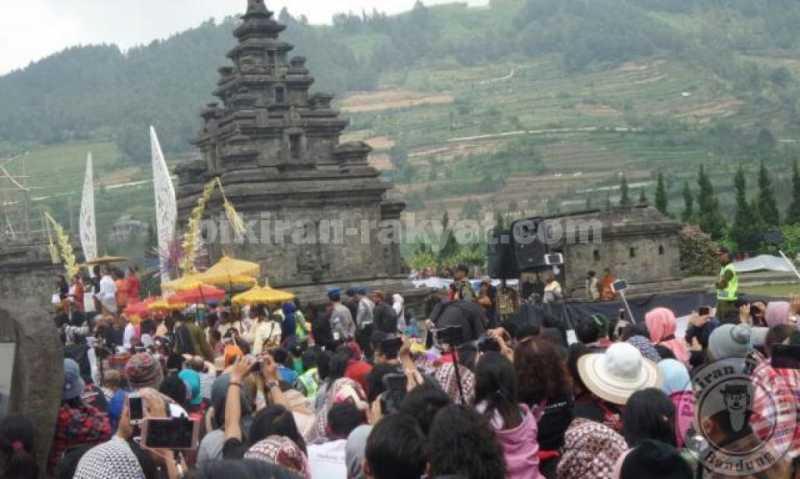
(486, 343)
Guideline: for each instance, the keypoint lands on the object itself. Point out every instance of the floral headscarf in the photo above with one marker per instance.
(342, 390)
(446, 376)
(590, 450)
(281, 451)
(645, 347)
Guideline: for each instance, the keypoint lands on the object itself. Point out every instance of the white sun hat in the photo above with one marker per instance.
(617, 373)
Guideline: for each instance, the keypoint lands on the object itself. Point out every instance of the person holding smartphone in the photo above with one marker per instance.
(122, 456)
(701, 324)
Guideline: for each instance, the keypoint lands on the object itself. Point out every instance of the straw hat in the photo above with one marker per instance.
(619, 372)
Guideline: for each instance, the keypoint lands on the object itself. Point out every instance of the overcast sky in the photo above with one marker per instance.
(33, 29)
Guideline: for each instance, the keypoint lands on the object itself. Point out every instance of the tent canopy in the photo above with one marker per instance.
(762, 262)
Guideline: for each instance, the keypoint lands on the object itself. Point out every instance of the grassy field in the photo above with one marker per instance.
(55, 175)
(775, 290)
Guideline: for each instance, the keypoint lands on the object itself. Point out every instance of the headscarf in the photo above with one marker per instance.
(342, 390)
(356, 451)
(281, 451)
(591, 450)
(777, 313)
(232, 352)
(661, 324)
(678, 386)
(675, 376)
(192, 380)
(446, 376)
(110, 460)
(288, 325)
(645, 347)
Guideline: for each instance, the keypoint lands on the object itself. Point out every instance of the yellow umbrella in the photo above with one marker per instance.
(229, 267)
(229, 282)
(189, 281)
(262, 295)
(164, 305)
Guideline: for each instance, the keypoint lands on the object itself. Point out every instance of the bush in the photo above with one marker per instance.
(698, 252)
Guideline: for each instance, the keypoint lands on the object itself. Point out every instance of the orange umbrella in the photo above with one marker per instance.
(201, 294)
(163, 305)
(139, 308)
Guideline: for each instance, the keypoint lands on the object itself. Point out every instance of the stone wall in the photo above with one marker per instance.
(27, 281)
(637, 259)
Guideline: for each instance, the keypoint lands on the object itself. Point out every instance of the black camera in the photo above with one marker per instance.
(486, 344)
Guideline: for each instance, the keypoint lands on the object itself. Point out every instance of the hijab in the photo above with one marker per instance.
(111, 460)
(777, 313)
(645, 347)
(281, 451)
(591, 450)
(678, 386)
(661, 324)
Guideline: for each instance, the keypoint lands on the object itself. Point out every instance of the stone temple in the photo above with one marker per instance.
(276, 147)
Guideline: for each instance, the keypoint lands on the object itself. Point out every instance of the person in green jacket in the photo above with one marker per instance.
(727, 289)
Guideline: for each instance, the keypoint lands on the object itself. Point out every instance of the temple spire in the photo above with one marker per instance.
(257, 7)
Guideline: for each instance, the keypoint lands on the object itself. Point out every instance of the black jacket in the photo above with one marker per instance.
(384, 318)
(466, 314)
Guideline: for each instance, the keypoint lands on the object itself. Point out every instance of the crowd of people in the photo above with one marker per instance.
(359, 388)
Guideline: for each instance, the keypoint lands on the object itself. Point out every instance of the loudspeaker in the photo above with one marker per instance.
(500, 253)
(529, 250)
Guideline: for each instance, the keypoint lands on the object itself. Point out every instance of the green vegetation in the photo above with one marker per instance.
(530, 106)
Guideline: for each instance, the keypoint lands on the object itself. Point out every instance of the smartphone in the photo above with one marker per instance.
(175, 433)
(135, 407)
(704, 311)
(619, 285)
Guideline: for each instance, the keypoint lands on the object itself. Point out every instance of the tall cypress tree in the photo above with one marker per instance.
(688, 203)
(624, 198)
(767, 207)
(746, 228)
(793, 213)
(662, 202)
(709, 216)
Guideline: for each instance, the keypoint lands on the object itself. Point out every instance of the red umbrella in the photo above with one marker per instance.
(139, 308)
(201, 294)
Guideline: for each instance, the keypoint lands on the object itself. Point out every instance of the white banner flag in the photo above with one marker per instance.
(166, 205)
(88, 227)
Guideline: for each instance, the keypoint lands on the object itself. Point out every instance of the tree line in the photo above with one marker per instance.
(101, 93)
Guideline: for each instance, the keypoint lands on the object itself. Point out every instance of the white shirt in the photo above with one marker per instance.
(327, 461)
(108, 290)
(128, 335)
